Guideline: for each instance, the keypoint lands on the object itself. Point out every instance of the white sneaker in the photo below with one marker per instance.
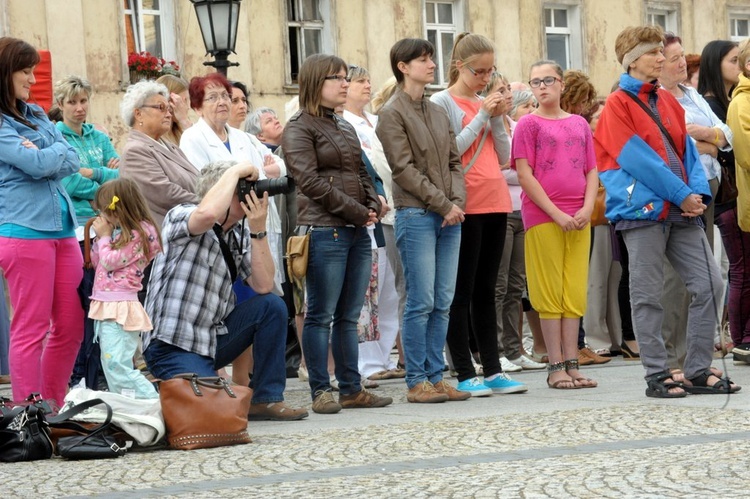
(524, 362)
(508, 366)
(302, 374)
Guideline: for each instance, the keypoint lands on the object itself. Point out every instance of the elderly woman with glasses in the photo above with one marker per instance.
(212, 138)
(162, 171)
(656, 193)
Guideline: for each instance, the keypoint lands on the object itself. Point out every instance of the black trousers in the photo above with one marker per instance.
(473, 307)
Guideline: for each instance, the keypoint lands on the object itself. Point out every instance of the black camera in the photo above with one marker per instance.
(273, 186)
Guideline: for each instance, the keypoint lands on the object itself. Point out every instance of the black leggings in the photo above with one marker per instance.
(473, 307)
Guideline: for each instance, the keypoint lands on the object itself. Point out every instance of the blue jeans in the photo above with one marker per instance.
(338, 273)
(429, 254)
(260, 321)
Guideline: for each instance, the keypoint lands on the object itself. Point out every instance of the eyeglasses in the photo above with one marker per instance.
(237, 100)
(481, 72)
(547, 80)
(215, 97)
(341, 79)
(163, 108)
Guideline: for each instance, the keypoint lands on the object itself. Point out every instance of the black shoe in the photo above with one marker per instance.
(741, 353)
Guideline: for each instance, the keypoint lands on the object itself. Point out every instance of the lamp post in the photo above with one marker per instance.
(218, 20)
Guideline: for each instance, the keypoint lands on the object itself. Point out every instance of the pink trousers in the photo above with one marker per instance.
(47, 328)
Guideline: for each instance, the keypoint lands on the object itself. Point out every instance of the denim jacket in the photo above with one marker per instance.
(30, 188)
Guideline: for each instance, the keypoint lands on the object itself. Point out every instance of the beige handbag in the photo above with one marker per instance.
(297, 251)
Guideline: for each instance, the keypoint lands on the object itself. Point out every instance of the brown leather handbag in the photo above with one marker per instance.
(204, 412)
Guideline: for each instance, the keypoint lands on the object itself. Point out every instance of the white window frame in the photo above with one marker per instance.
(165, 12)
(573, 33)
(737, 14)
(671, 12)
(455, 28)
(326, 38)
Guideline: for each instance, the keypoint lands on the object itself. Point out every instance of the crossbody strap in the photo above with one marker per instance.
(226, 252)
(479, 149)
(653, 117)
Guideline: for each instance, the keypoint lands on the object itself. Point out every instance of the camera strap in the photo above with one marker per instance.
(226, 252)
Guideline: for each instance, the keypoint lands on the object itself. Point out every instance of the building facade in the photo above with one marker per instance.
(93, 38)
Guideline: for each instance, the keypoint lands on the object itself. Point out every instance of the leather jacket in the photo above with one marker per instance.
(420, 147)
(324, 157)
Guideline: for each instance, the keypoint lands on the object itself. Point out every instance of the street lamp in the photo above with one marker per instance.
(218, 20)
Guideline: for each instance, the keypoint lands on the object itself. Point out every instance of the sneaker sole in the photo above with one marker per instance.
(513, 389)
(477, 393)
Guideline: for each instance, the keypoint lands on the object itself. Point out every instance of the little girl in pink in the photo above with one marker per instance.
(127, 240)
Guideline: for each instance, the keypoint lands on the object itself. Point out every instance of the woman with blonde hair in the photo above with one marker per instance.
(738, 120)
(179, 102)
(482, 141)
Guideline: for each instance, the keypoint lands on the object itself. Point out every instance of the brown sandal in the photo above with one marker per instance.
(557, 385)
(572, 365)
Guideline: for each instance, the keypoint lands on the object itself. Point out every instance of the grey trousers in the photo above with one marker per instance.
(687, 249)
(675, 301)
(511, 282)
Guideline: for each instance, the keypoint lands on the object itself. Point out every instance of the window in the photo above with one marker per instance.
(562, 32)
(739, 25)
(149, 26)
(664, 14)
(308, 24)
(443, 22)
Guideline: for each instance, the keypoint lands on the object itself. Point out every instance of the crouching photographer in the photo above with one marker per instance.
(197, 327)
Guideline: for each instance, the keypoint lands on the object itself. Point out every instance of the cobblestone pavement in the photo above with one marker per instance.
(611, 441)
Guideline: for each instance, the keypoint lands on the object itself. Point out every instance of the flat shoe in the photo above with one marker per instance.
(380, 375)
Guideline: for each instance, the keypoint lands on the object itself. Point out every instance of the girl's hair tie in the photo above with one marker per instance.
(113, 205)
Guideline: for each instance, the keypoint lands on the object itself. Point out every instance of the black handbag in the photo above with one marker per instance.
(91, 442)
(24, 434)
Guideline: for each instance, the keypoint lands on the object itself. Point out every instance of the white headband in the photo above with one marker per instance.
(638, 51)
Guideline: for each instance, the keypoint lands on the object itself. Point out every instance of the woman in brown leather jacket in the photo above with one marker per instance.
(337, 200)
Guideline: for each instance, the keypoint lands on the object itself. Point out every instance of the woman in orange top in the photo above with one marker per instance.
(483, 144)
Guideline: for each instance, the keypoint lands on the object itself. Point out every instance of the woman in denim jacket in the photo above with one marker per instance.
(39, 253)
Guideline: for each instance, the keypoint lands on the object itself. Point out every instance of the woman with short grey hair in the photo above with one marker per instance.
(161, 169)
(264, 123)
(523, 103)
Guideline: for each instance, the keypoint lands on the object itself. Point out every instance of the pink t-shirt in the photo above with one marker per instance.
(486, 188)
(560, 153)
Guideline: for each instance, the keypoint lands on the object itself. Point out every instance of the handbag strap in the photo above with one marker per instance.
(479, 149)
(62, 420)
(226, 252)
(653, 117)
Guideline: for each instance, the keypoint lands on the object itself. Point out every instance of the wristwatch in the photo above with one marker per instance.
(258, 235)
